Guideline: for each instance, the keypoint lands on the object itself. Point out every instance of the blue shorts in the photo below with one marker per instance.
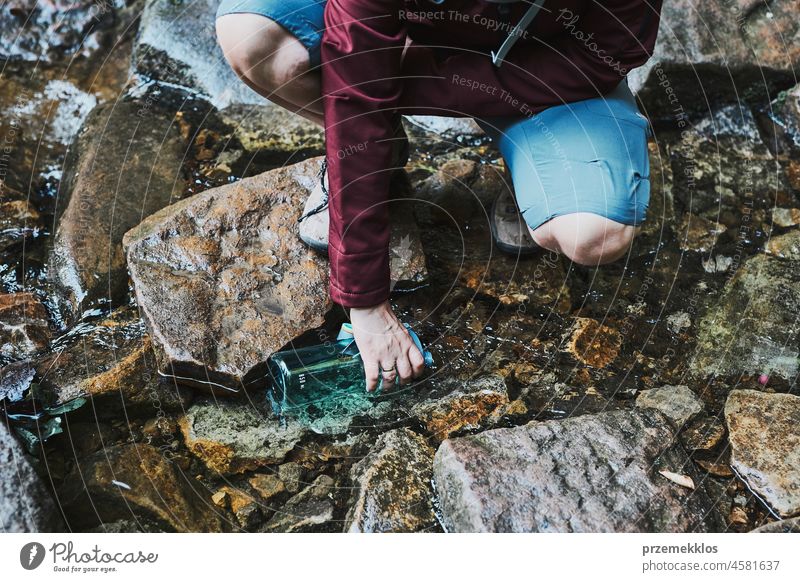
(585, 156)
(303, 18)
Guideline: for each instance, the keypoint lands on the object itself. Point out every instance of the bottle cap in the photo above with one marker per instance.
(426, 355)
(345, 332)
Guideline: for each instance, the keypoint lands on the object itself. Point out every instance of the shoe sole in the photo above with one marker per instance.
(316, 245)
(505, 247)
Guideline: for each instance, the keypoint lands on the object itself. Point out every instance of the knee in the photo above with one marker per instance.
(587, 239)
(260, 50)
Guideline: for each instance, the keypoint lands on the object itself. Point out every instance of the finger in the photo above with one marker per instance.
(389, 374)
(416, 360)
(404, 370)
(371, 375)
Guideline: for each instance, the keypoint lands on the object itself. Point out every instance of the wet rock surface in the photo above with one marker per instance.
(450, 409)
(26, 504)
(309, 510)
(266, 127)
(514, 339)
(179, 46)
(554, 476)
(31, 30)
(24, 328)
(116, 177)
(127, 481)
(766, 446)
(122, 378)
(741, 57)
(223, 280)
(231, 438)
(677, 403)
(392, 486)
(753, 330)
(19, 221)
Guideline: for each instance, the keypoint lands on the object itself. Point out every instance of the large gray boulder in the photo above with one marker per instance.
(592, 473)
(715, 51)
(26, 504)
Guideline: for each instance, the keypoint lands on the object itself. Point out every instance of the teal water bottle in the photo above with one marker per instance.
(307, 377)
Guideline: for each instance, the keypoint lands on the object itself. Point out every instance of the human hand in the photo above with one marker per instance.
(385, 344)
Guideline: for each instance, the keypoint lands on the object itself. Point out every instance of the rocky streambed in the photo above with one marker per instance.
(150, 265)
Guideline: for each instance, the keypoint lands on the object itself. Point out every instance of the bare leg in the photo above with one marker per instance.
(585, 237)
(272, 62)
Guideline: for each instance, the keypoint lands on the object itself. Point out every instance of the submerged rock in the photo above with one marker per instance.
(677, 403)
(125, 165)
(133, 480)
(392, 486)
(703, 434)
(585, 474)
(765, 444)
(267, 486)
(722, 165)
(453, 407)
(459, 191)
(786, 246)
(246, 509)
(754, 329)
(695, 233)
(309, 510)
(232, 437)
(26, 504)
(267, 127)
(593, 343)
(449, 129)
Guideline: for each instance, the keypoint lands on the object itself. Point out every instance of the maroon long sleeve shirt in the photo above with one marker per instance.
(573, 50)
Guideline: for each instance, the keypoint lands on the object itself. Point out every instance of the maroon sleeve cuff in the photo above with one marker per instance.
(359, 279)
